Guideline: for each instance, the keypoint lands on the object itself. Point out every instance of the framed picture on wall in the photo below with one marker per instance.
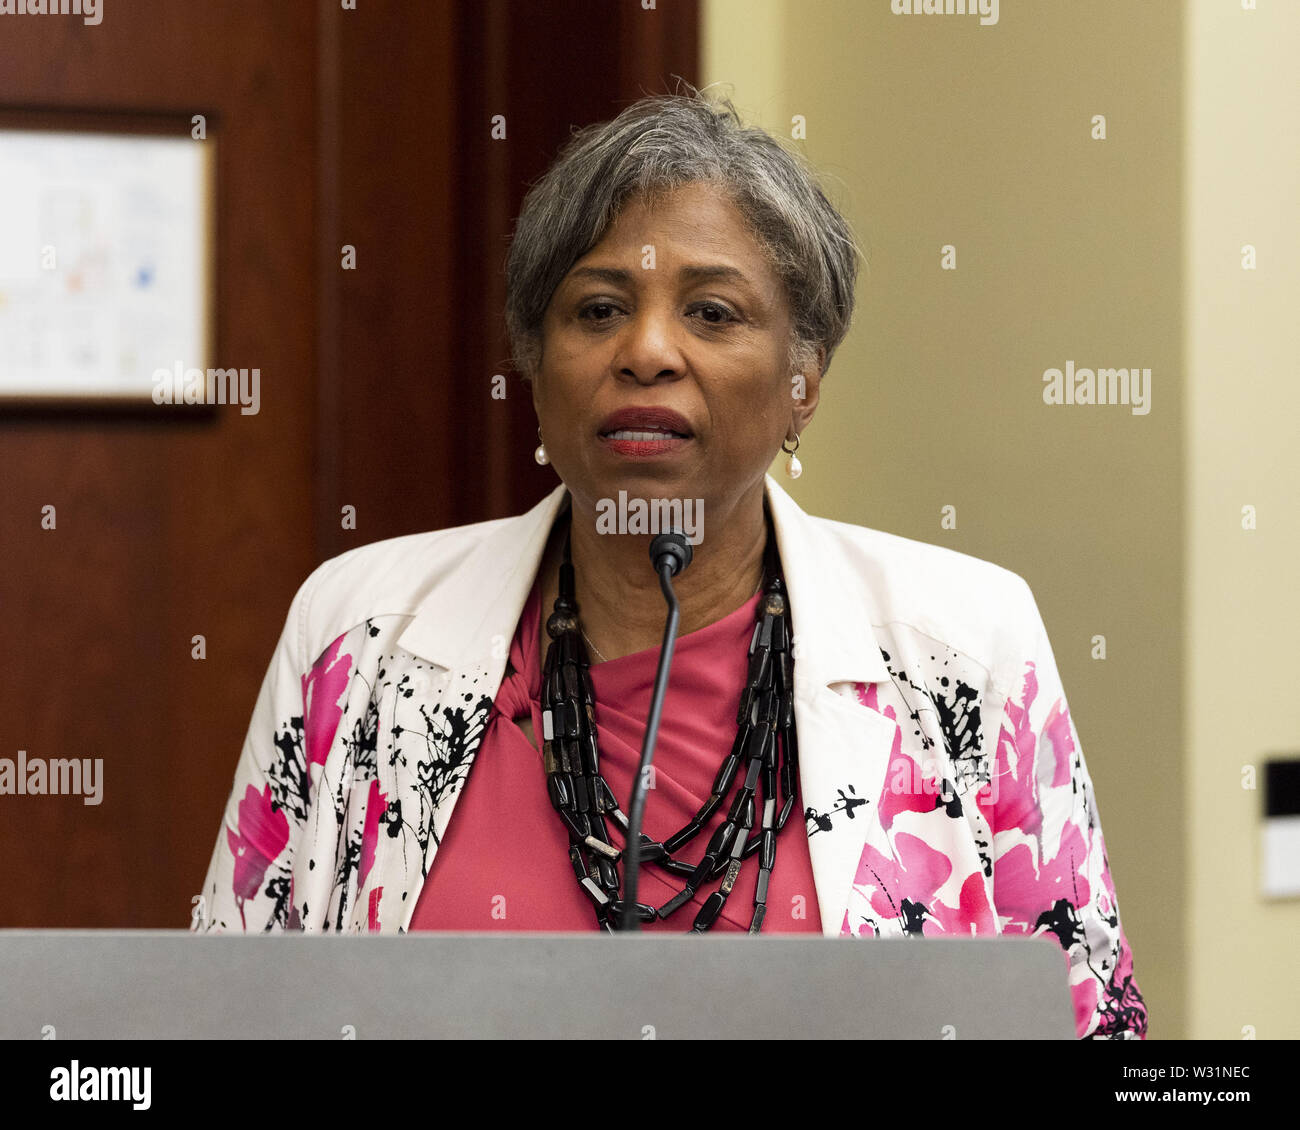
(106, 273)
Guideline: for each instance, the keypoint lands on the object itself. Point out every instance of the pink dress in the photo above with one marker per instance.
(504, 863)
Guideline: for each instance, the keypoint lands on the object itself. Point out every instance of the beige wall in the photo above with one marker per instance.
(934, 130)
(1243, 412)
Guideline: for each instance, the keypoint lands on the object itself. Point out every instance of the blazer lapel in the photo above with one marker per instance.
(844, 747)
(463, 628)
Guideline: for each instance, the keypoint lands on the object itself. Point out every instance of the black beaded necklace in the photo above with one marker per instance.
(765, 745)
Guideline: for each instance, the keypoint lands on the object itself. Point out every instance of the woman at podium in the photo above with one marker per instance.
(862, 734)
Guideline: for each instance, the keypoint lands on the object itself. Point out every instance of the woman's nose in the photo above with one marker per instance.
(648, 349)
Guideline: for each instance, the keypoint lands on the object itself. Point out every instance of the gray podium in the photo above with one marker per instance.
(172, 984)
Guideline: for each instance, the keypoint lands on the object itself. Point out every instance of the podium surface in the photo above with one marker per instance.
(174, 984)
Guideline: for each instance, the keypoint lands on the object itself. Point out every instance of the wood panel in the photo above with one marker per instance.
(366, 127)
(168, 526)
(425, 314)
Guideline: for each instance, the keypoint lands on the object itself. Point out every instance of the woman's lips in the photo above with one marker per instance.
(636, 443)
(645, 418)
(644, 434)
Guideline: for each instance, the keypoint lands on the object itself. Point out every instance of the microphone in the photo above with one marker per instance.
(670, 547)
(671, 553)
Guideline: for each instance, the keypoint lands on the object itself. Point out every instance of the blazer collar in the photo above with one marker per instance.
(483, 598)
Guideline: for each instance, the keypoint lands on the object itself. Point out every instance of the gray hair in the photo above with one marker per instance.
(654, 146)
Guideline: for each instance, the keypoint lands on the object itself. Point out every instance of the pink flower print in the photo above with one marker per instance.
(971, 915)
(263, 832)
(1014, 803)
(322, 687)
(376, 803)
(912, 875)
(1021, 882)
(907, 885)
(1057, 731)
(905, 789)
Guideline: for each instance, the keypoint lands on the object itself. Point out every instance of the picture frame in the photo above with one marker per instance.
(107, 257)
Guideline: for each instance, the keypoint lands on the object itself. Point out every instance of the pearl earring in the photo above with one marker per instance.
(540, 454)
(793, 467)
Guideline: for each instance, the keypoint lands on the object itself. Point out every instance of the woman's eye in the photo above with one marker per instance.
(714, 313)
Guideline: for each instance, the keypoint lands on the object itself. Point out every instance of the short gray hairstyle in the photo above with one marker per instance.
(654, 146)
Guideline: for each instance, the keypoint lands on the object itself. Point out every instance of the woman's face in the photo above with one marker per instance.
(675, 309)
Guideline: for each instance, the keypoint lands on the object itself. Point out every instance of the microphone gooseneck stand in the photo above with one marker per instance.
(671, 553)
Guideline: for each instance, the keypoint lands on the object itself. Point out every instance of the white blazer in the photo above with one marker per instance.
(925, 686)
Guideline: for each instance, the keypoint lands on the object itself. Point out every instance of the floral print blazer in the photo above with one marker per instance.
(945, 787)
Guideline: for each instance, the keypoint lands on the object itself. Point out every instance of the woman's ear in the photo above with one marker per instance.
(805, 390)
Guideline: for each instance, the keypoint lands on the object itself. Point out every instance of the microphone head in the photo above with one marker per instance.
(670, 546)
